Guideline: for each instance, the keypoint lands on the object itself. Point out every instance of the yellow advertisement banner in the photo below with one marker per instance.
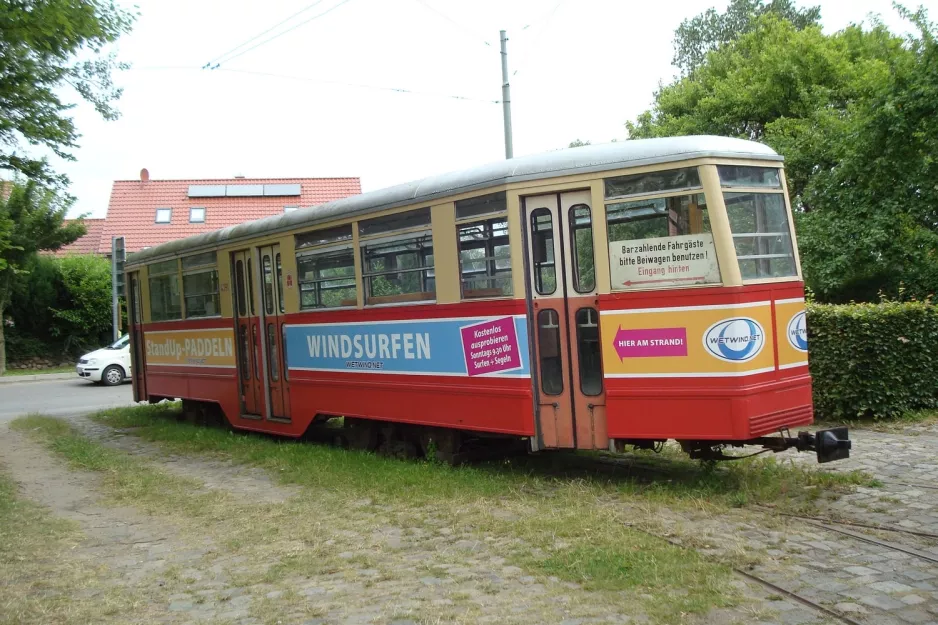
(720, 340)
(792, 333)
(208, 347)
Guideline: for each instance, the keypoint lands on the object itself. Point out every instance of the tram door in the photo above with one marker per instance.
(137, 351)
(248, 339)
(273, 310)
(571, 404)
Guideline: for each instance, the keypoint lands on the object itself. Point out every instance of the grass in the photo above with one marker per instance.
(15, 372)
(39, 583)
(549, 514)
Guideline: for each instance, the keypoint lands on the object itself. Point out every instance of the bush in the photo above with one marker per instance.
(874, 361)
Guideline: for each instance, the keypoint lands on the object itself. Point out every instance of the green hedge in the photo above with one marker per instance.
(874, 361)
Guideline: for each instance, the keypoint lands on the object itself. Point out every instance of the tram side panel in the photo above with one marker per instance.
(463, 366)
(708, 364)
(194, 360)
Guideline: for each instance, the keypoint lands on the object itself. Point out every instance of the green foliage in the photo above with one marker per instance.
(31, 220)
(35, 292)
(710, 30)
(853, 113)
(40, 42)
(87, 289)
(873, 360)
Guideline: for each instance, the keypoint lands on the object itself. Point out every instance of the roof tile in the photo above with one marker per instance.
(132, 207)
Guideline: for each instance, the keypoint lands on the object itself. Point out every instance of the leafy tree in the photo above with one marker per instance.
(87, 284)
(47, 46)
(577, 143)
(854, 115)
(697, 36)
(34, 217)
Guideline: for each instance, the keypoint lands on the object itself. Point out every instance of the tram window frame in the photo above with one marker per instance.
(490, 234)
(648, 210)
(588, 347)
(194, 268)
(267, 280)
(165, 274)
(324, 283)
(550, 355)
(417, 246)
(580, 285)
(544, 251)
(680, 180)
(278, 268)
(764, 250)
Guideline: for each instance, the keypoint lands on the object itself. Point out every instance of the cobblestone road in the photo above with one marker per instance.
(866, 582)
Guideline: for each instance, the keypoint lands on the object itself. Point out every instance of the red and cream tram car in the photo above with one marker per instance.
(589, 298)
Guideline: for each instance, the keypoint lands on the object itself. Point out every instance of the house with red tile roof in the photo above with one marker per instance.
(88, 243)
(149, 212)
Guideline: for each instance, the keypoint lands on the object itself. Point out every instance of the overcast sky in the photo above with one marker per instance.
(579, 69)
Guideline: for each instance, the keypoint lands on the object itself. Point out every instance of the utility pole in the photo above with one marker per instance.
(506, 95)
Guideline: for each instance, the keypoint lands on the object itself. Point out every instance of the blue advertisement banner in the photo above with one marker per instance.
(471, 346)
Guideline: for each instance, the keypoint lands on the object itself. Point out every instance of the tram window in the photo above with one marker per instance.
(327, 279)
(245, 350)
(587, 342)
(581, 242)
(135, 289)
(652, 182)
(280, 284)
(761, 236)
(398, 270)
(740, 176)
(268, 277)
(250, 291)
(321, 237)
(274, 359)
(481, 205)
(200, 289)
(542, 241)
(395, 222)
(239, 285)
(549, 351)
(165, 296)
(286, 367)
(484, 258)
(659, 217)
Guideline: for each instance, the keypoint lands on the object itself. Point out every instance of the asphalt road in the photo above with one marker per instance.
(60, 398)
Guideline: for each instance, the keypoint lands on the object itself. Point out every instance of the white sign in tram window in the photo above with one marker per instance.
(663, 261)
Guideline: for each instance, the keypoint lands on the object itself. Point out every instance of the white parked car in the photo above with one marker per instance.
(109, 365)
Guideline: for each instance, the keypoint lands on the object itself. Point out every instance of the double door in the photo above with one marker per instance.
(259, 311)
(568, 374)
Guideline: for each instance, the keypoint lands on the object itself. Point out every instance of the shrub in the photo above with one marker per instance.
(873, 360)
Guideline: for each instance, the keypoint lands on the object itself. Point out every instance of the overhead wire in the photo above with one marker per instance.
(220, 57)
(461, 27)
(280, 34)
(321, 81)
(360, 86)
(549, 15)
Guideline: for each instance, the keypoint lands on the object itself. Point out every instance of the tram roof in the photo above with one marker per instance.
(570, 161)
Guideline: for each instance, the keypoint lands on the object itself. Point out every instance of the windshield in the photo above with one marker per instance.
(121, 342)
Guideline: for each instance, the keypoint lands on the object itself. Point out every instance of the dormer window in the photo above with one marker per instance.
(164, 215)
(196, 215)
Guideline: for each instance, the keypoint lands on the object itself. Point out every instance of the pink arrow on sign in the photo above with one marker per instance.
(650, 342)
(631, 282)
